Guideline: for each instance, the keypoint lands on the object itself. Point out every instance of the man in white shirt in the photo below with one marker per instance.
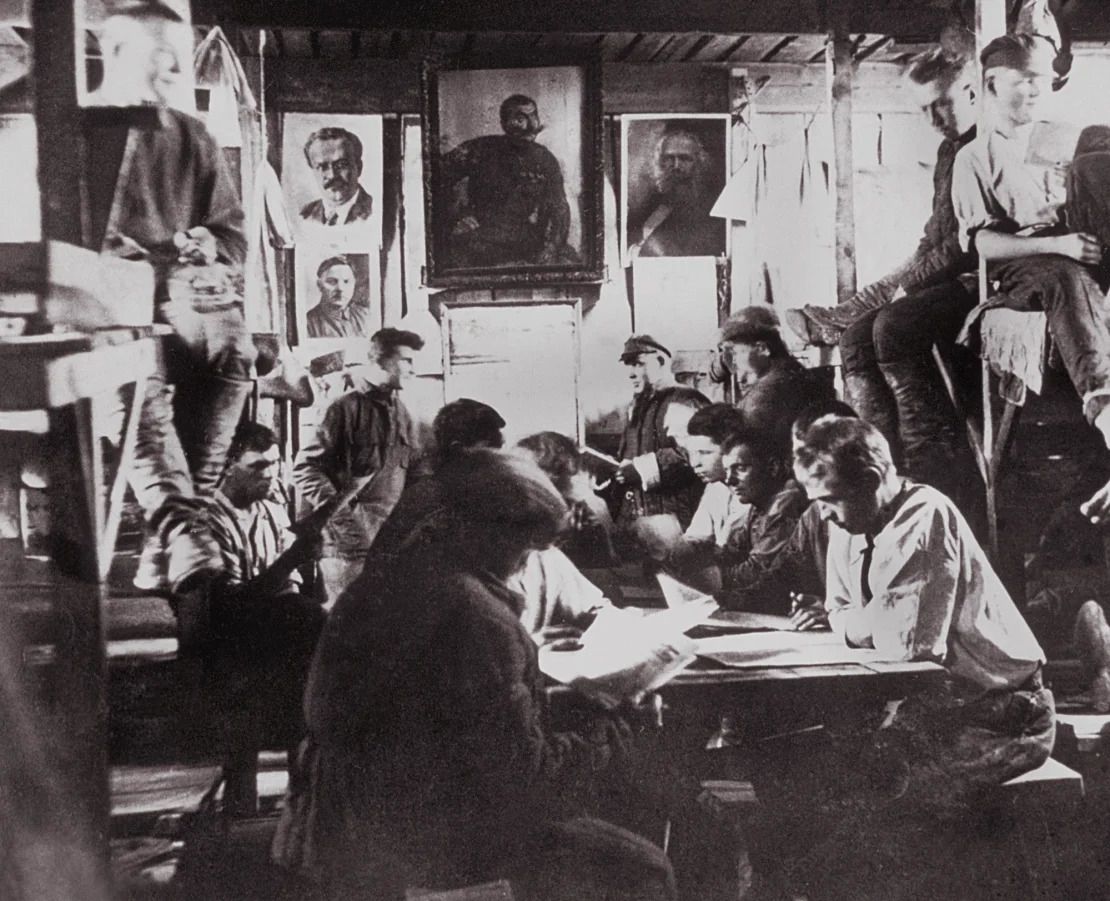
(1040, 218)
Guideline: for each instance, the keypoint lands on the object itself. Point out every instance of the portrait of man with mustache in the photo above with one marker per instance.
(335, 157)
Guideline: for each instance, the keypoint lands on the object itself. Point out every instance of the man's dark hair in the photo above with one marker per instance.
(942, 64)
(338, 260)
(250, 436)
(514, 101)
(846, 449)
(333, 133)
(754, 324)
(820, 409)
(716, 422)
(762, 445)
(557, 455)
(386, 341)
(464, 424)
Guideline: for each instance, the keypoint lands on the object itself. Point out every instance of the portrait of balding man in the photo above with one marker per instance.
(675, 169)
(335, 157)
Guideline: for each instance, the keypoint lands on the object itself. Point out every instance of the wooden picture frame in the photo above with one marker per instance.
(506, 204)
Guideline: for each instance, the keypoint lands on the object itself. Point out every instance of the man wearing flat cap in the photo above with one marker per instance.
(1039, 214)
(774, 387)
(654, 479)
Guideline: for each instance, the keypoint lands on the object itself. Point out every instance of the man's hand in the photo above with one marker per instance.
(807, 613)
(197, 245)
(1081, 247)
(628, 475)
(1097, 508)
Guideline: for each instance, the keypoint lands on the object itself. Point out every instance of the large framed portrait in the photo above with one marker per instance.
(673, 168)
(512, 174)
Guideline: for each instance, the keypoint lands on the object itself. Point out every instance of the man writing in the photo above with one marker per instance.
(509, 205)
(335, 157)
(677, 221)
(366, 432)
(1041, 222)
(336, 315)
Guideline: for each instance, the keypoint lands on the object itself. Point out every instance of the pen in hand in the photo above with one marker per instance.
(807, 612)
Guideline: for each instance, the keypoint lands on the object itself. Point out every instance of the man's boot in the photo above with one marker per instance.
(207, 423)
(867, 392)
(930, 440)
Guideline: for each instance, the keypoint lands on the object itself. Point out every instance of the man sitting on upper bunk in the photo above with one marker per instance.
(1040, 218)
(907, 578)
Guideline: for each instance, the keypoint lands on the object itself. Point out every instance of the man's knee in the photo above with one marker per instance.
(857, 344)
(1062, 281)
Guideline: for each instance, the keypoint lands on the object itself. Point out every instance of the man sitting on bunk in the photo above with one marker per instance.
(757, 475)
(1040, 218)
(907, 578)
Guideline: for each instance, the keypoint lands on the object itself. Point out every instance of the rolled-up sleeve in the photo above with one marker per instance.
(972, 200)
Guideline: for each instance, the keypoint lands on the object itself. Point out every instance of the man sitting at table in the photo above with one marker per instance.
(757, 475)
(908, 579)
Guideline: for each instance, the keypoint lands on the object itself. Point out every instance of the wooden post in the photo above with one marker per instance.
(57, 119)
(839, 69)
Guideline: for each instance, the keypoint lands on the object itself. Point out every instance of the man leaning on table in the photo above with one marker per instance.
(906, 578)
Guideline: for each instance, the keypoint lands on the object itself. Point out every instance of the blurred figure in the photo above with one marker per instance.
(429, 759)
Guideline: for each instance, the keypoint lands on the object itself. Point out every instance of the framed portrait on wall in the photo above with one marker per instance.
(673, 168)
(335, 293)
(512, 174)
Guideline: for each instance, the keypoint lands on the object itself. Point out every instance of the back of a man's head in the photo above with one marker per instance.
(385, 342)
(715, 422)
(250, 436)
(557, 455)
(465, 424)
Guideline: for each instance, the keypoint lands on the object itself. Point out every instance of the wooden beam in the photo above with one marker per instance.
(840, 65)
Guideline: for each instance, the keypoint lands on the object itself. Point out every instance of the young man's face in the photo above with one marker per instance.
(398, 366)
(704, 455)
(950, 110)
(335, 169)
(750, 477)
(854, 508)
(337, 286)
(1018, 93)
(251, 478)
(646, 371)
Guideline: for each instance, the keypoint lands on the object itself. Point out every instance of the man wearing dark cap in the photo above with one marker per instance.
(1040, 218)
(654, 477)
(774, 387)
(366, 432)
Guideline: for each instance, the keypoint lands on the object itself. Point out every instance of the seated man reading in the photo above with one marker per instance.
(906, 577)
(756, 474)
(1040, 220)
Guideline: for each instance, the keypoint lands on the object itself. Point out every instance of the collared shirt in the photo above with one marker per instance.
(995, 185)
(328, 321)
(934, 595)
(555, 592)
(719, 514)
(250, 539)
(337, 214)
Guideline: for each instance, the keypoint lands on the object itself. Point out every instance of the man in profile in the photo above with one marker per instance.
(677, 221)
(507, 202)
(335, 157)
(337, 315)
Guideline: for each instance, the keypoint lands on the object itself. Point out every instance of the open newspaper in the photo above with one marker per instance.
(622, 656)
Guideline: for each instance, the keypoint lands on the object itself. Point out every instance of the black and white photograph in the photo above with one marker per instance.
(512, 173)
(506, 451)
(674, 168)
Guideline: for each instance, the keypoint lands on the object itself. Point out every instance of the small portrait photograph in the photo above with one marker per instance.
(674, 168)
(334, 294)
(331, 171)
(512, 174)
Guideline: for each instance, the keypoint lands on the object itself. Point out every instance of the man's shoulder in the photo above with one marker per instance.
(791, 500)
(363, 206)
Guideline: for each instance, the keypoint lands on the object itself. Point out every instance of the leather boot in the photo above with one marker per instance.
(206, 424)
(867, 392)
(930, 440)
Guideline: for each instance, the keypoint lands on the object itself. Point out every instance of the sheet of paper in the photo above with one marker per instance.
(742, 620)
(676, 300)
(622, 656)
(759, 649)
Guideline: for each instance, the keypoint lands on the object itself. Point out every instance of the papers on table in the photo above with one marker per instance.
(680, 596)
(760, 649)
(622, 656)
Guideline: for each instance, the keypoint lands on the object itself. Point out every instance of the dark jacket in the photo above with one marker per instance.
(679, 489)
(360, 210)
(773, 403)
(362, 433)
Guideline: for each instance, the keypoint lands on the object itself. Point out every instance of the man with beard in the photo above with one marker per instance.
(508, 205)
(678, 223)
(336, 315)
(335, 156)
